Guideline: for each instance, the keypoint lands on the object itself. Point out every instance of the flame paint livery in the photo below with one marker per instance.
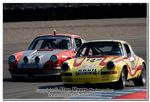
(94, 69)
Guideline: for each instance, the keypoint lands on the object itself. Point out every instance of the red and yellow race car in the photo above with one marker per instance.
(104, 61)
(44, 56)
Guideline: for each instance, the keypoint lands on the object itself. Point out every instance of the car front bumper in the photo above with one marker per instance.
(34, 72)
(93, 79)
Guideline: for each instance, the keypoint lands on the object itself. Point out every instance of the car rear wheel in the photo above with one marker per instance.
(122, 81)
(141, 80)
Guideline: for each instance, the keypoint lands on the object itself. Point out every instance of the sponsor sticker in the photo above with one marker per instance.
(87, 70)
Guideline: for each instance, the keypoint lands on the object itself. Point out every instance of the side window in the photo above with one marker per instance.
(78, 43)
(128, 52)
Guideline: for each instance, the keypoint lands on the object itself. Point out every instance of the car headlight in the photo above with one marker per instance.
(65, 67)
(53, 59)
(12, 59)
(110, 65)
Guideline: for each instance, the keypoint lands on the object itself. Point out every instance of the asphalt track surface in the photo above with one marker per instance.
(17, 37)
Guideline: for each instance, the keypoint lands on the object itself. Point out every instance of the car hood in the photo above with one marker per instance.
(44, 56)
(95, 62)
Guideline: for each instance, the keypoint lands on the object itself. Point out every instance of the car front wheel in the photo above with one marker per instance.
(120, 84)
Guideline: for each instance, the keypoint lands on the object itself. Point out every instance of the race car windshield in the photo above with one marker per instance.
(50, 43)
(99, 49)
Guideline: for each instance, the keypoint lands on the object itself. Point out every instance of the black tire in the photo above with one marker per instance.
(141, 80)
(120, 84)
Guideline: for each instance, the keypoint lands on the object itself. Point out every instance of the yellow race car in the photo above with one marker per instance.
(104, 61)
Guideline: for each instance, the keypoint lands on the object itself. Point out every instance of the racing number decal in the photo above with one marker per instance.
(104, 62)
